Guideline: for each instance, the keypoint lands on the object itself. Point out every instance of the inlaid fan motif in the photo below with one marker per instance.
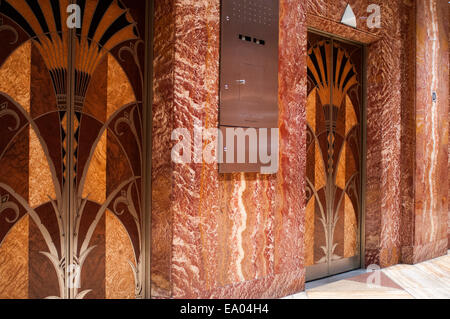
(333, 156)
(331, 72)
(71, 218)
(105, 24)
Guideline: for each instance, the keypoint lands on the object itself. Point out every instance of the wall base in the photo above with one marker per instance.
(417, 254)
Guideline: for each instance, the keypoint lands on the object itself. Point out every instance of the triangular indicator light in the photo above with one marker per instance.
(349, 17)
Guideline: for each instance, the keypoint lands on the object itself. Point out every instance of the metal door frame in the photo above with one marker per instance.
(319, 271)
(147, 147)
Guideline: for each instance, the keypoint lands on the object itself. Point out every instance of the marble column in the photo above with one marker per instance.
(232, 235)
(429, 222)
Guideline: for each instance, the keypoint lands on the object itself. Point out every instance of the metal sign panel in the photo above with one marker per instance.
(248, 70)
(249, 63)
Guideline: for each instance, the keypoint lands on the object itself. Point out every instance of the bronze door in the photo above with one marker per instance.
(71, 149)
(334, 144)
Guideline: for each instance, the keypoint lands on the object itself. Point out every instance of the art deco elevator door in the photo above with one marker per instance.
(333, 189)
(71, 149)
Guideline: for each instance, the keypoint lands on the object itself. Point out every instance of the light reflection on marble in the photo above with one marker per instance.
(421, 281)
(427, 280)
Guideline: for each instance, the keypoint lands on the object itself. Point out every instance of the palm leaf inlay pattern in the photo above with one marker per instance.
(333, 157)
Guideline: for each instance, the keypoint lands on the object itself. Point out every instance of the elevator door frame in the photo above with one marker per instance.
(319, 271)
(70, 275)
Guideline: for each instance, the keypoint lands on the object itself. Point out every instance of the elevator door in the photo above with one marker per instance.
(334, 144)
(71, 141)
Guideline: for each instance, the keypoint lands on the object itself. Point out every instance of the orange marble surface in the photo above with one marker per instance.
(14, 262)
(15, 75)
(119, 90)
(350, 229)
(384, 85)
(119, 282)
(41, 187)
(95, 183)
(309, 232)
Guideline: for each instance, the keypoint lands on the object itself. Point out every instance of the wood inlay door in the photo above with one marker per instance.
(71, 149)
(334, 144)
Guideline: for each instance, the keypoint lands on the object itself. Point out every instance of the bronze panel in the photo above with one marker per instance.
(333, 111)
(249, 64)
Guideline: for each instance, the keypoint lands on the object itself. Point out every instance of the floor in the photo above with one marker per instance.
(428, 280)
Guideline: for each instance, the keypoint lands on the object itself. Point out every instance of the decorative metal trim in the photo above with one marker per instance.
(6, 204)
(147, 148)
(4, 111)
(5, 27)
(364, 158)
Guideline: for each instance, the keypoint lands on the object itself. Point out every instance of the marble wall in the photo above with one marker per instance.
(425, 136)
(241, 235)
(162, 167)
(408, 133)
(431, 172)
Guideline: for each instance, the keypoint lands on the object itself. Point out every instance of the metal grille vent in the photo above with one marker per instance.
(253, 11)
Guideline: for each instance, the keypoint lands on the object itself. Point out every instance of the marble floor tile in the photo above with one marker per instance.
(301, 295)
(443, 263)
(349, 289)
(427, 280)
(430, 279)
(329, 280)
